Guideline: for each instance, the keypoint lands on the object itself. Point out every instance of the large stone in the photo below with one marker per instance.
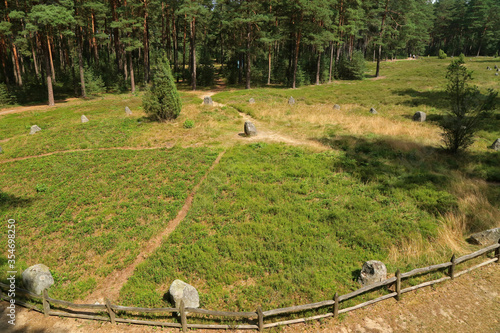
(250, 129)
(291, 101)
(84, 119)
(127, 111)
(35, 129)
(373, 271)
(208, 101)
(180, 290)
(251, 100)
(1, 151)
(373, 111)
(496, 145)
(336, 107)
(37, 278)
(484, 238)
(419, 116)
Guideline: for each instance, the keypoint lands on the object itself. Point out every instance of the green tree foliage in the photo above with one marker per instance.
(468, 108)
(162, 101)
(351, 69)
(442, 55)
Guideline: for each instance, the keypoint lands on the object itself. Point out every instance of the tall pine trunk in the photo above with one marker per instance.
(318, 68)
(382, 26)
(296, 58)
(146, 42)
(132, 78)
(269, 66)
(193, 53)
(248, 72)
(53, 76)
(80, 64)
(17, 69)
(48, 72)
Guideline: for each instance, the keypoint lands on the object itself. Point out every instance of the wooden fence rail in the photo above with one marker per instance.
(109, 312)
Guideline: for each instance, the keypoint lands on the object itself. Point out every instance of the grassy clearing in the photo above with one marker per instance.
(86, 214)
(276, 225)
(109, 126)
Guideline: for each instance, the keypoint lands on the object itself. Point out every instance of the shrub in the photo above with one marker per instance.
(351, 69)
(442, 55)
(94, 84)
(161, 100)
(461, 58)
(189, 123)
(468, 108)
(5, 96)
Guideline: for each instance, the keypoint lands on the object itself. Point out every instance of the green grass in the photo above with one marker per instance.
(86, 214)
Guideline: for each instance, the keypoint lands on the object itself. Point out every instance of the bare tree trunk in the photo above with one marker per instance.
(269, 66)
(53, 76)
(296, 58)
(94, 41)
(132, 78)
(19, 78)
(80, 65)
(193, 53)
(331, 63)
(184, 51)
(176, 46)
(382, 25)
(146, 42)
(48, 72)
(318, 68)
(249, 31)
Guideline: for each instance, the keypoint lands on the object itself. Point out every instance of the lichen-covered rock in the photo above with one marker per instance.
(250, 129)
(37, 278)
(127, 111)
(208, 101)
(496, 145)
(180, 290)
(373, 111)
(487, 237)
(35, 129)
(373, 271)
(419, 116)
(251, 100)
(84, 119)
(336, 107)
(291, 100)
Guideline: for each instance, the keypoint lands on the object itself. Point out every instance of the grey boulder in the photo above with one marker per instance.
(37, 278)
(487, 237)
(181, 291)
(336, 107)
(84, 119)
(35, 129)
(251, 100)
(496, 145)
(291, 100)
(250, 129)
(373, 111)
(127, 111)
(208, 101)
(419, 116)
(373, 271)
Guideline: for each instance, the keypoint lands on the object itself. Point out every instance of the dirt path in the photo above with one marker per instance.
(113, 283)
(40, 107)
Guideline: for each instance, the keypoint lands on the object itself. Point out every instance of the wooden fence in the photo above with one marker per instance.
(254, 320)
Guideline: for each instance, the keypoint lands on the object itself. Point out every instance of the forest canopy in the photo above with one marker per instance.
(52, 46)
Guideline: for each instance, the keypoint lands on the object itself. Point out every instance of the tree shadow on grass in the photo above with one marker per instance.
(435, 98)
(12, 201)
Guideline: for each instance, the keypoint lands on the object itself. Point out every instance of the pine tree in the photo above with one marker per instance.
(162, 101)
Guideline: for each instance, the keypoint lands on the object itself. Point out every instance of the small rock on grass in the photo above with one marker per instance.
(251, 101)
(419, 116)
(250, 129)
(373, 111)
(127, 111)
(496, 145)
(37, 278)
(84, 119)
(373, 271)
(181, 291)
(291, 100)
(35, 129)
(1, 151)
(208, 101)
(336, 107)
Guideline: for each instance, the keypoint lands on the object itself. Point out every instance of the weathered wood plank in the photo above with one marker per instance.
(261, 319)
(182, 311)
(477, 253)
(45, 303)
(451, 270)
(487, 262)
(423, 270)
(77, 306)
(300, 320)
(298, 308)
(148, 322)
(146, 310)
(20, 291)
(77, 315)
(336, 304)
(425, 284)
(367, 288)
(222, 313)
(110, 311)
(398, 285)
(368, 303)
(226, 327)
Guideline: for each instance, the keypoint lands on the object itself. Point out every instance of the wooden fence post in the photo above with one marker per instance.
(398, 285)
(336, 305)
(110, 311)
(497, 253)
(261, 319)
(451, 270)
(182, 310)
(46, 305)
